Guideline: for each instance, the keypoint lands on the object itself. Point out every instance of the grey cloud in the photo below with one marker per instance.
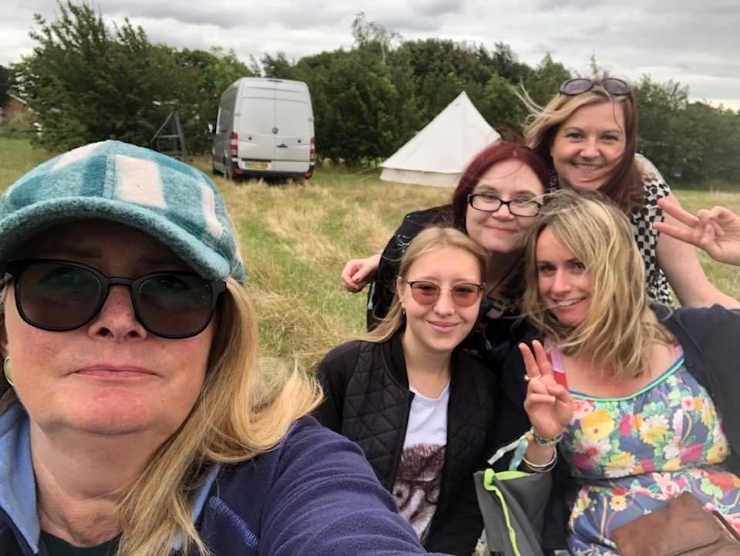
(436, 8)
(250, 16)
(555, 5)
(411, 24)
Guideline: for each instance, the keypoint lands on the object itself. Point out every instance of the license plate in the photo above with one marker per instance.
(258, 165)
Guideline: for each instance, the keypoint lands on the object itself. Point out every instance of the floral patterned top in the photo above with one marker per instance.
(631, 455)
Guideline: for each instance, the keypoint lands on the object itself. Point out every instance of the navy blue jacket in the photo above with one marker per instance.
(313, 495)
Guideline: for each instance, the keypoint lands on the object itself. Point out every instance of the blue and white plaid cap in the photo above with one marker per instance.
(163, 197)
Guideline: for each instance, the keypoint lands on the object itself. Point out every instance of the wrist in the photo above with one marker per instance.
(545, 441)
(538, 454)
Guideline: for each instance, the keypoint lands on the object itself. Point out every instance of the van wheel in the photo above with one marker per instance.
(228, 170)
(274, 181)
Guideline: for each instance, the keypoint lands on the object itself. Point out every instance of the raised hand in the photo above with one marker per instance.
(358, 272)
(716, 230)
(548, 404)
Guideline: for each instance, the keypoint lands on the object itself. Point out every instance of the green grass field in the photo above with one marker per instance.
(296, 240)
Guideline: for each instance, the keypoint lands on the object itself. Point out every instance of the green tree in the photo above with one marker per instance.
(406, 114)
(5, 83)
(660, 105)
(214, 70)
(278, 66)
(505, 63)
(442, 69)
(543, 83)
(501, 106)
(709, 144)
(353, 97)
(87, 82)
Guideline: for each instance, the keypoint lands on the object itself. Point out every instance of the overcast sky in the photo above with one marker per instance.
(694, 42)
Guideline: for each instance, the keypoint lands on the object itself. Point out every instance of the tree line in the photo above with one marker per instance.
(86, 80)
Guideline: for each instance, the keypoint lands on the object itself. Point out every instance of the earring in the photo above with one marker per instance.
(7, 372)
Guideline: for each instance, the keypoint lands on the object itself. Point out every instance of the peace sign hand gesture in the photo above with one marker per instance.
(716, 230)
(548, 404)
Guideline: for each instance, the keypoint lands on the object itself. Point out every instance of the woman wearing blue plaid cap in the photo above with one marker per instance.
(133, 419)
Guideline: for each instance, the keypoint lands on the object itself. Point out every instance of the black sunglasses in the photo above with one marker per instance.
(59, 295)
(580, 85)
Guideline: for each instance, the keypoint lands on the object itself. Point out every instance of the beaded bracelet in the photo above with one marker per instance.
(545, 441)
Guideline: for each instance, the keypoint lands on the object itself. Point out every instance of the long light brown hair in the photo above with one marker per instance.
(428, 240)
(617, 331)
(624, 187)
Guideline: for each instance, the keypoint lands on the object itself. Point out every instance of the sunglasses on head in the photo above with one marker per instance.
(427, 293)
(581, 85)
(59, 295)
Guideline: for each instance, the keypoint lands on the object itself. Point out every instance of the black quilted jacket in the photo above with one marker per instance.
(367, 399)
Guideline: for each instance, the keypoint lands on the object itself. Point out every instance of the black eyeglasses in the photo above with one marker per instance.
(487, 202)
(427, 293)
(580, 85)
(61, 295)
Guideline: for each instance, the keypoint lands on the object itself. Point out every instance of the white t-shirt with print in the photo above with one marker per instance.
(419, 473)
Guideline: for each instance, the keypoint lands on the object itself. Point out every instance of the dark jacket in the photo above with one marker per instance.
(313, 495)
(368, 400)
(710, 338)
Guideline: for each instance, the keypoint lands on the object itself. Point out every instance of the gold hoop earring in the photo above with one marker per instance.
(7, 372)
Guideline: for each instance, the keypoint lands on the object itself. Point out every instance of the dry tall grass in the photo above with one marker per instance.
(296, 240)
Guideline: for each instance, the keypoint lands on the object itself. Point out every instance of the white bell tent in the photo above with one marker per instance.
(438, 154)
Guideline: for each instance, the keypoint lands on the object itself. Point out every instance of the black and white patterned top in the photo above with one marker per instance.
(646, 237)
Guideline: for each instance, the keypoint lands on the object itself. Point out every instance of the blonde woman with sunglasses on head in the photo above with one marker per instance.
(421, 408)
(588, 135)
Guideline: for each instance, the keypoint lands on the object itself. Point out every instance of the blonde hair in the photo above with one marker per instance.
(427, 241)
(624, 187)
(617, 330)
(243, 411)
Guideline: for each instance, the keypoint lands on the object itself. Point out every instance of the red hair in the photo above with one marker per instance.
(493, 154)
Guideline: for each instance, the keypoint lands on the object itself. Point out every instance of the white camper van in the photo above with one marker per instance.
(264, 129)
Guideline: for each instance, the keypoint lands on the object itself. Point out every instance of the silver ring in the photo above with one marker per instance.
(527, 378)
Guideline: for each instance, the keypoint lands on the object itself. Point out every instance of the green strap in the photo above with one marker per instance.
(488, 484)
